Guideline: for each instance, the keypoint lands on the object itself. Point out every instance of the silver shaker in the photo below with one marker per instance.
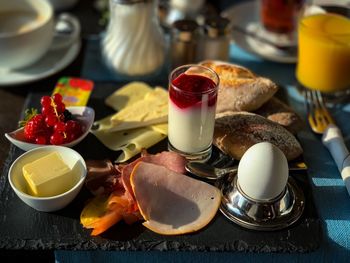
(184, 38)
(214, 39)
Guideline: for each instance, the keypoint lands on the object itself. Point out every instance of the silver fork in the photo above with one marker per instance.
(317, 113)
(321, 122)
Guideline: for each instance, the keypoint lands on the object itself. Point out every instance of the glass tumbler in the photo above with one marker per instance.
(324, 50)
(192, 103)
(279, 19)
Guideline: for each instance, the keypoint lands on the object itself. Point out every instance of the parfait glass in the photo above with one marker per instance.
(192, 103)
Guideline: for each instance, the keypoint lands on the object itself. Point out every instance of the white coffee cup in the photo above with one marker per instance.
(27, 28)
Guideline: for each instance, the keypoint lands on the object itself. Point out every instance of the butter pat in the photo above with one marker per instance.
(48, 176)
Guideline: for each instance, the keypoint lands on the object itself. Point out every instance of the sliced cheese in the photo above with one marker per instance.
(129, 142)
(48, 176)
(153, 109)
(161, 128)
(94, 210)
(157, 94)
(128, 95)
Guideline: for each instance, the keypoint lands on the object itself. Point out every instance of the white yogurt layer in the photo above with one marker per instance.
(191, 129)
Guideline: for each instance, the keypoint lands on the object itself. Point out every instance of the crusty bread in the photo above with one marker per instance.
(277, 111)
(235, 132)
(240, 89)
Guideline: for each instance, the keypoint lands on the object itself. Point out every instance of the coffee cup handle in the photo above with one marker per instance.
(67, 31)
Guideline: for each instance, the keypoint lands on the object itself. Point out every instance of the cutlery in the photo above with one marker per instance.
(321, 122)
(209, 172)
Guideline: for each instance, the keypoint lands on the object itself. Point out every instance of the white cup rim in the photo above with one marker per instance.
(45, 21)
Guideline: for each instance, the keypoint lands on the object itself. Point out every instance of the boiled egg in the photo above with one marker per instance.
(263, 172)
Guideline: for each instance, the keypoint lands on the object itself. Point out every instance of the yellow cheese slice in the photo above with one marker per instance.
(94, 210)
(153, 109)
(129, 142)
(162, 128)
(128, 95)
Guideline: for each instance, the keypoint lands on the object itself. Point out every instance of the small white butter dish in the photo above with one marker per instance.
(53, 203)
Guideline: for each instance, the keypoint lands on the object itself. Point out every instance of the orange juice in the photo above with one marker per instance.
(324, 52)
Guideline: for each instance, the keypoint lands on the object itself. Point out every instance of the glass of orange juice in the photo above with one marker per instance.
(324, 50)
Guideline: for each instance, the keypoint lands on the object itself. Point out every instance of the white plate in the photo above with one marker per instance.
(52, 62)
(85, 115)
(244, 16)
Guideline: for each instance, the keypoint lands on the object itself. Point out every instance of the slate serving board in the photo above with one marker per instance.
(22, 227)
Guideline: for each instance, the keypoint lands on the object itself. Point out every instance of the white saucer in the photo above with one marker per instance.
(244, 16)
(52, 62)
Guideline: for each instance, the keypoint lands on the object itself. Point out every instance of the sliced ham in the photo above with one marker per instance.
(102, 177)
(107, 180)
(170, 160)
(173, 203)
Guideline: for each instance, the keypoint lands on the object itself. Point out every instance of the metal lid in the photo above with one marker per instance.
(185, 29)
(216, 26)
(271, 215)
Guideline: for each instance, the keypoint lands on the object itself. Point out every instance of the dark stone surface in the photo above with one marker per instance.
(21, 227)
(26, 233)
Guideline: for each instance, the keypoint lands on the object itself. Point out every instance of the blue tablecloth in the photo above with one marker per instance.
(331, 198)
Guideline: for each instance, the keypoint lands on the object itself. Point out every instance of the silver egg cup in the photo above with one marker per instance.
(269, 215)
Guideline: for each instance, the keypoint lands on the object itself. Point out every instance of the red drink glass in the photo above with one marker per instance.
(280, 16)
(192, 103)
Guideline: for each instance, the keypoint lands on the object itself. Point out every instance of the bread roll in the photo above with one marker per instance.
(240, 89)
(235, 132)
(277, 111)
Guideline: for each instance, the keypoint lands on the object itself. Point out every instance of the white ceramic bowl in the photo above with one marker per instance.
(47, 204)
(85, 115)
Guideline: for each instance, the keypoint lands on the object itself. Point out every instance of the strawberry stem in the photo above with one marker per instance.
(28, 114)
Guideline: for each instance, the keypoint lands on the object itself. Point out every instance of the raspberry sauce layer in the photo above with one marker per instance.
(189, 89)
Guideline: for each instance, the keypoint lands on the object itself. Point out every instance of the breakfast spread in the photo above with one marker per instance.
(48, 176)
(154, 188)
(54, 125)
